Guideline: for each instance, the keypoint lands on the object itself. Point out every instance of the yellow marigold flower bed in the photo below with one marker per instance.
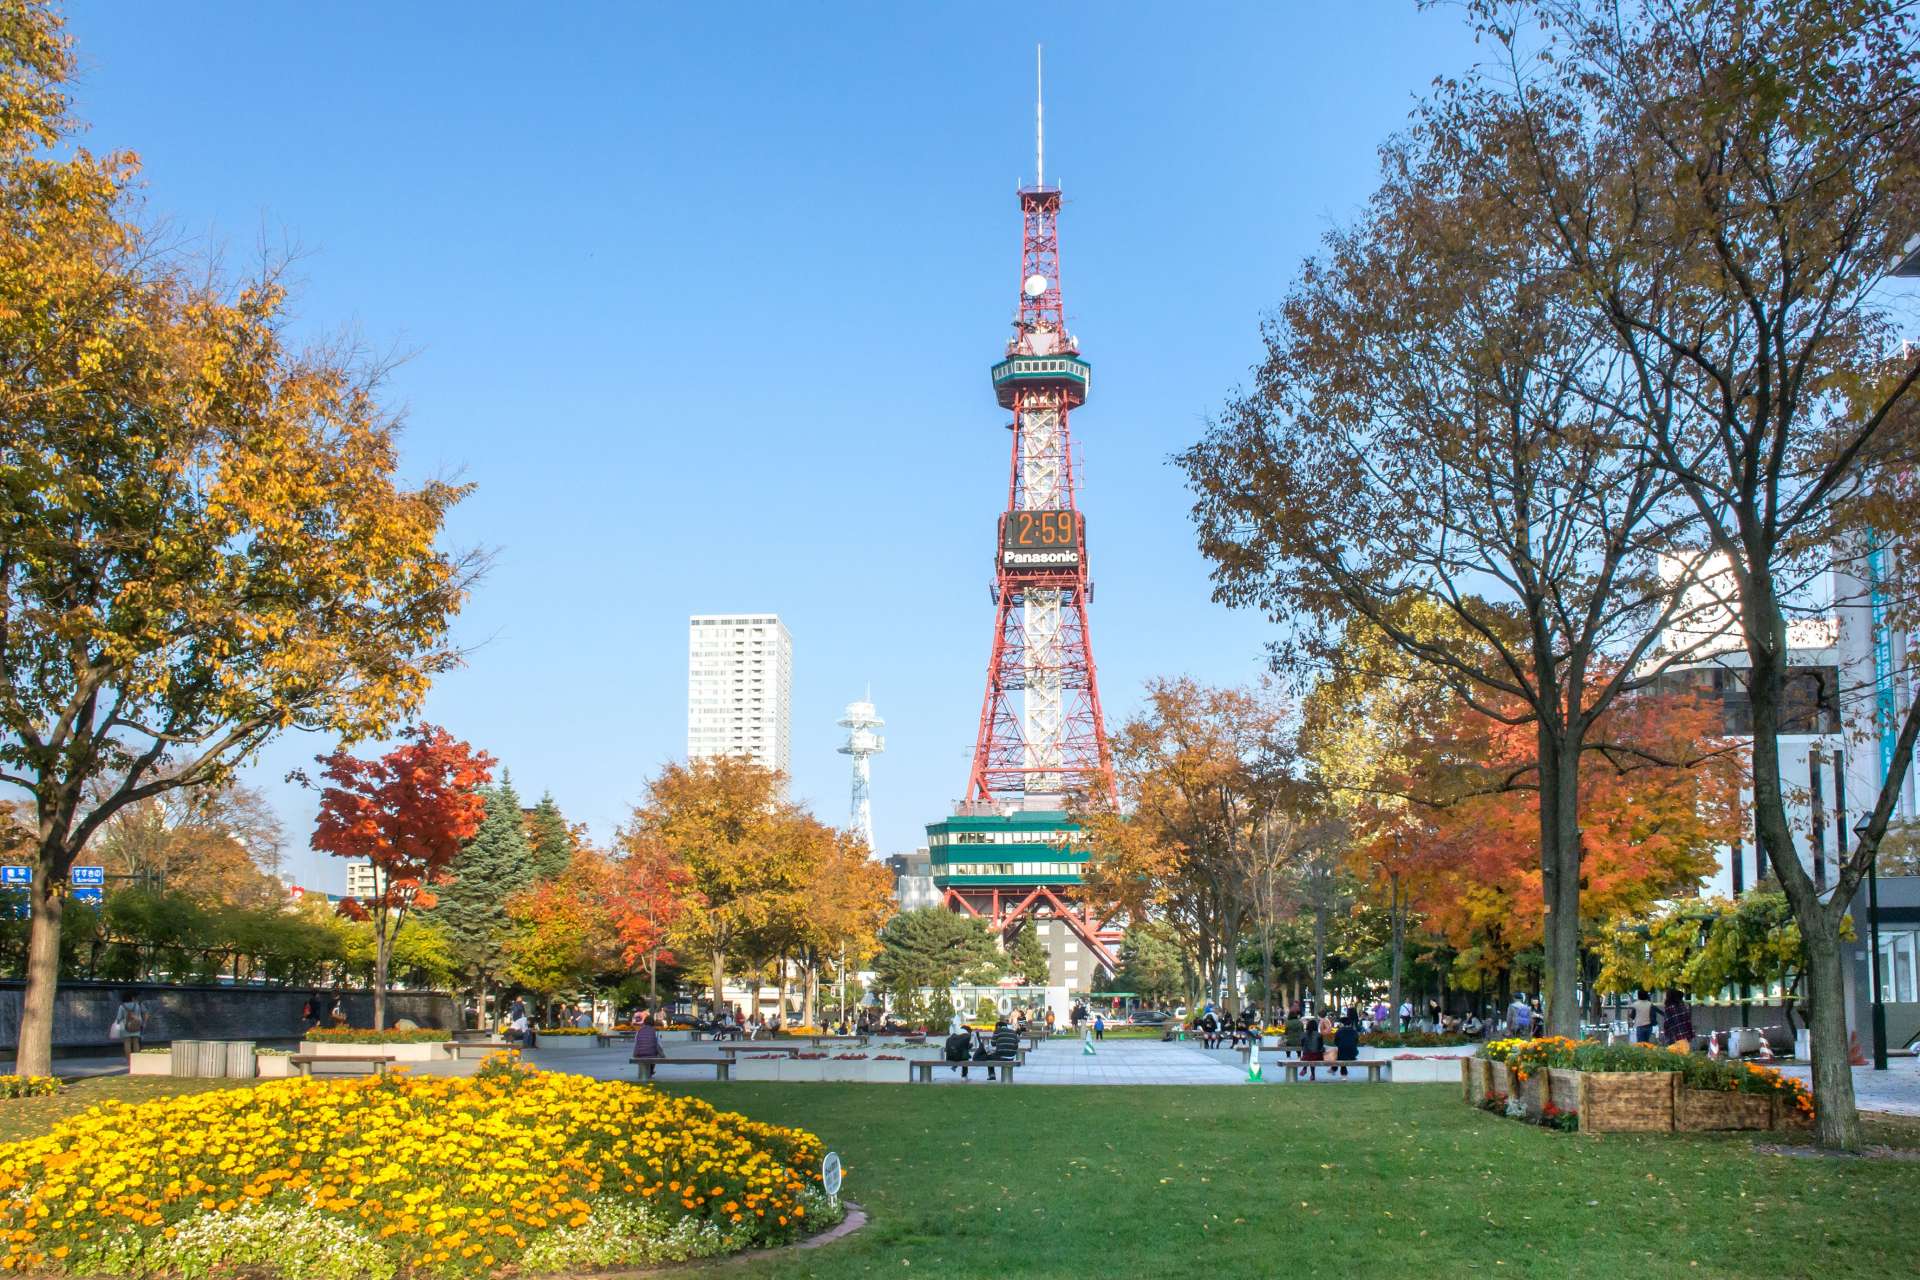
(404, 1175)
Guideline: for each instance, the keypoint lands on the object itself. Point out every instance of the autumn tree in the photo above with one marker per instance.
(844, 901)
(649, 891)
(562, 931)
(408, 813)
(1200, 770)
(742, 845)
(202, 538)
(1417, 436)
(220, 843)
(1726, 186)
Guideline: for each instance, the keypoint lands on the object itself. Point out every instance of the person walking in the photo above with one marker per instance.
(129, 1021)
(1520, 1017)
(1676, 1019)
(1049, 1020)
(1642, 1009)
(1406, 1015)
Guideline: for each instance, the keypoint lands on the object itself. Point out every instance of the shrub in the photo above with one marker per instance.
(28, 1086)
(325, 1179)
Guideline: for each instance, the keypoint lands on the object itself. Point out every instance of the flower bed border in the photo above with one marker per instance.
(1633, 1101)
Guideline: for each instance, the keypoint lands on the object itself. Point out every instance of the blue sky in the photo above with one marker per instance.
(703, 299)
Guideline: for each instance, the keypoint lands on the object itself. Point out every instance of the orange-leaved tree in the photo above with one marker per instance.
(649, 889)
(562, 933)
(203, 540)
(408, 813)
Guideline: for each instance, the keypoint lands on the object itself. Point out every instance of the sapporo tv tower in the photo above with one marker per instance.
(1007, 855)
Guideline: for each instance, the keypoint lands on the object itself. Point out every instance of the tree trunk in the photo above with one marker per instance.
(719, 981)
(653, 980)
(1398, 916)
(382, 955)
(810, 994)
(1319, 957)
(34, 1056)
(1560, 882)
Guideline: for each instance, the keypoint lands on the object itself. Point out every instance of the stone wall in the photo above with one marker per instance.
(83, 1011)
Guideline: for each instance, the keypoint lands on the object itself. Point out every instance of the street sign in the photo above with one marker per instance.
(830, 1173)
(88, 893)
(93, 877)
(20, 877)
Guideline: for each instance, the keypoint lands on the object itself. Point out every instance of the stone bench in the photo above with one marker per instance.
(733, 1050)
(1372, 1066)
(1001, 1069)
(341, 1064)
(465, 1050)
(722, 1067)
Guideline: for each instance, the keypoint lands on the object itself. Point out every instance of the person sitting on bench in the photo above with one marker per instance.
(959, 1045)
(1311, 1045)
(646, 1040)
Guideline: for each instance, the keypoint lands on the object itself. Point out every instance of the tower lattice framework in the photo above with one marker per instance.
(1042, 738)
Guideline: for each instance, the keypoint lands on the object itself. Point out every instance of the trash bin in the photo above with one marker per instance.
(240, 1060)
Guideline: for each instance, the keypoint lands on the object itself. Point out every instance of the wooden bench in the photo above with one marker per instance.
(818, 1041)
(920, 1070)
(341, 1064)
(722, 1067)
(473, 1033)
(466, 1050)
(1372, 1066)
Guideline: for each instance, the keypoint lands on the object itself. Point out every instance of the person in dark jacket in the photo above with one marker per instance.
(646, 1038)
(1346, 1040)
(1311, 1045)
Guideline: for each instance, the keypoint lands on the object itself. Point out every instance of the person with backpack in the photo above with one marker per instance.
(1346, 1040)
(129, 1021)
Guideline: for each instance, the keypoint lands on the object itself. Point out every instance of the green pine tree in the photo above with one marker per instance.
(551, 842)
(496, 864)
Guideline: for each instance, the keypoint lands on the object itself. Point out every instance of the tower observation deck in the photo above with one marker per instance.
(1009, 852)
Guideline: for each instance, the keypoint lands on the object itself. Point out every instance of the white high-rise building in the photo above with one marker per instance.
(363, 879)
(740, 688)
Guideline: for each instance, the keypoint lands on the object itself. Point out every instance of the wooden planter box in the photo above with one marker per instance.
(1497, 1081)
(1627, 1101)
(1698, 1110)
(1787, 1116)
(1473, 1081)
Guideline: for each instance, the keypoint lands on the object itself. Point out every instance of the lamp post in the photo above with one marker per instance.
(1873, 942)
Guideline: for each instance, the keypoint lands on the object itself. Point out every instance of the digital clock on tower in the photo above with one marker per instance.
(1048, 539)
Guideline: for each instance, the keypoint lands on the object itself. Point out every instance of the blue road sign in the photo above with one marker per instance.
(21, 876)
(93, 877)
(88, 893)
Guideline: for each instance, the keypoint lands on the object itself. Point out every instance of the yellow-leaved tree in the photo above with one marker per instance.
(202, 539)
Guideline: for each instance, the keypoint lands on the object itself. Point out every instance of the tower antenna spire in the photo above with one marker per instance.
(1039, 123)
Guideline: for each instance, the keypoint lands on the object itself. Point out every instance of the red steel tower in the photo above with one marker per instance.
(1008, 854)
(1055, 743)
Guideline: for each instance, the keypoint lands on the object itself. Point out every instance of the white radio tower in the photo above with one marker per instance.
(863, 744)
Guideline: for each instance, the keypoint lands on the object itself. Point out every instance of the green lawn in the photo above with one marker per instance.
(1399, 1181)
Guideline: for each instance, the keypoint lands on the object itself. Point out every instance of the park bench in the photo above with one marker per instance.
(1372, 1066)
(1001, 1069)
(817, 1041)
(466, 1050)
(341, 1064)
(722, 1067)
(473, 1033)
(735, 1049)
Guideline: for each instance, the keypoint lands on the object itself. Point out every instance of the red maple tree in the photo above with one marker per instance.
(649, 890)
(409, 813)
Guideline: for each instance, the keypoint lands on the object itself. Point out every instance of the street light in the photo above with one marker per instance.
(1860, 829)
